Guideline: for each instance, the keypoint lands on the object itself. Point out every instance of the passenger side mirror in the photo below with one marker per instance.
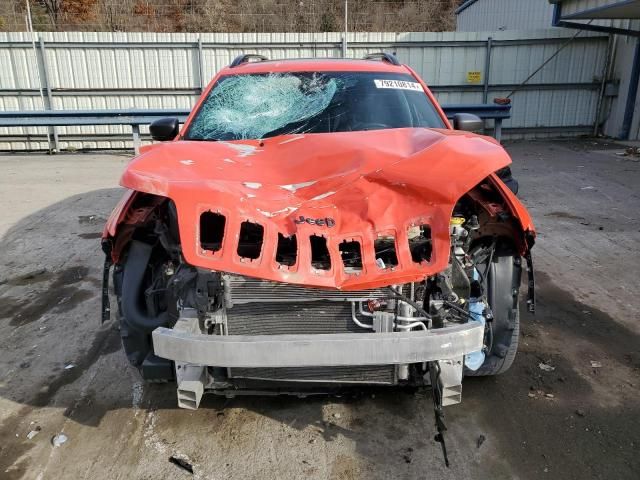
(467, 122)
(164, 129)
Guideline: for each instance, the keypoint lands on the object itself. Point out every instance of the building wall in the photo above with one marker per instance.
(120, 70)
(614, 107)
(494, 15)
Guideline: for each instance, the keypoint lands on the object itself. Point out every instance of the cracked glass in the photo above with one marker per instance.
(255, 106)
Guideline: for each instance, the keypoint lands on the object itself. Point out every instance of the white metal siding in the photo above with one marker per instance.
(492, 15)
(127, 70)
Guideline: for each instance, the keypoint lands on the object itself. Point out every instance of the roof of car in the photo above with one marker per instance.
(315, 64)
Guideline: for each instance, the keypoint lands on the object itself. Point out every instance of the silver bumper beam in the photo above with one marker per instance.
(185, 346)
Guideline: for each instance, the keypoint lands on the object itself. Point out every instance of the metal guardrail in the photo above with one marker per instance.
(135, 118)
(485, 111)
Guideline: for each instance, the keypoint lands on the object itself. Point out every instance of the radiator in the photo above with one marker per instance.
(309, 317)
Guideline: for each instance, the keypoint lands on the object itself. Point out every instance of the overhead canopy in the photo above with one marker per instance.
(628, 9)
(621, 16)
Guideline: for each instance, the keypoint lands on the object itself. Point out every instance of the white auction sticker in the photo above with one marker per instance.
(399, 84)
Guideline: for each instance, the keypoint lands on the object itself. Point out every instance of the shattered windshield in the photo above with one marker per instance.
(253, 106)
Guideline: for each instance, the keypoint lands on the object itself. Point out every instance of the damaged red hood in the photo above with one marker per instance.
(350, 186)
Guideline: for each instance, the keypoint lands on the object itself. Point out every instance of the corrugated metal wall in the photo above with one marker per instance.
(493, 15)
(133, 70)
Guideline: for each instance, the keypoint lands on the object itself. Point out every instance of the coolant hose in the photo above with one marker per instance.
(134, 272)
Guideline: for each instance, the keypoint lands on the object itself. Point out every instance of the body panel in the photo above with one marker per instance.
(368, 183)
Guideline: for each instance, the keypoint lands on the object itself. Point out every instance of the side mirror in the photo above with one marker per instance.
(467, 122)
(164, 129)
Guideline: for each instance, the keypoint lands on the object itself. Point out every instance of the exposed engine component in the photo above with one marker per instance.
(157, 289)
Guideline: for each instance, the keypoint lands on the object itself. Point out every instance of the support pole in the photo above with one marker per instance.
(136, 138)
(346, 29)
(611, 52)
(487, 70)
(35, 56)
(200, 65)
(47, 85)
(632, 94)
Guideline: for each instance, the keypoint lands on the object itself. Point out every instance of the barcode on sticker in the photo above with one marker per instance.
(399, 84)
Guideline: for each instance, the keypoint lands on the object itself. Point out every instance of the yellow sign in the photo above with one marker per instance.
(474, 77)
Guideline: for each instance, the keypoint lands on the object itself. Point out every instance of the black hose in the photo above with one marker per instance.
(406, 299)
(134, 272)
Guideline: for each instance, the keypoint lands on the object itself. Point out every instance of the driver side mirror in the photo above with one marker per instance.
(467, 122)
(164, 129)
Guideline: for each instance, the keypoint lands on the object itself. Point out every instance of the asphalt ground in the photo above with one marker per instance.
(64, 372)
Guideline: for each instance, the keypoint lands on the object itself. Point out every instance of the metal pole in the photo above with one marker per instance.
(632, 94)
(611, 49)
(135, 130)
(487, 70)
(45, 78)
(498, 130)
(346, 30)
(200, 65)
(35, 56)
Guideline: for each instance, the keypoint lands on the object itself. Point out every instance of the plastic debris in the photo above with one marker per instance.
(59, 439)
(336, 415)
(474, 360)
(181, 463)
(596, 364)
(545, 367)
(33, 432)
(69, 367)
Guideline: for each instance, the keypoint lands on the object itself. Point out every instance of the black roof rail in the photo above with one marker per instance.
(385, 57)
(245, 58)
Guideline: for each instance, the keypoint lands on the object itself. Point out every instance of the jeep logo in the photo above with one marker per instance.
(321, 222)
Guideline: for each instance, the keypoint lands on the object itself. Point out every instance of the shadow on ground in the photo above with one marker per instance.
(577, 421)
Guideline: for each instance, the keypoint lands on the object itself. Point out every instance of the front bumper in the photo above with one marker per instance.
(186, 345)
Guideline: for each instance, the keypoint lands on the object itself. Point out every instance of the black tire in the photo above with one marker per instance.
(136, 344)
(503, 285)
(135, 329)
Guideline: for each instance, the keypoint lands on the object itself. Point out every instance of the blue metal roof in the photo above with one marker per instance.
(464, 6)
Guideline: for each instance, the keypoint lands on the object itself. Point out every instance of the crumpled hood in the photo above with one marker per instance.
(366, 184)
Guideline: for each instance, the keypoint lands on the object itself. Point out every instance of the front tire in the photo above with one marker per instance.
(503, 286)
